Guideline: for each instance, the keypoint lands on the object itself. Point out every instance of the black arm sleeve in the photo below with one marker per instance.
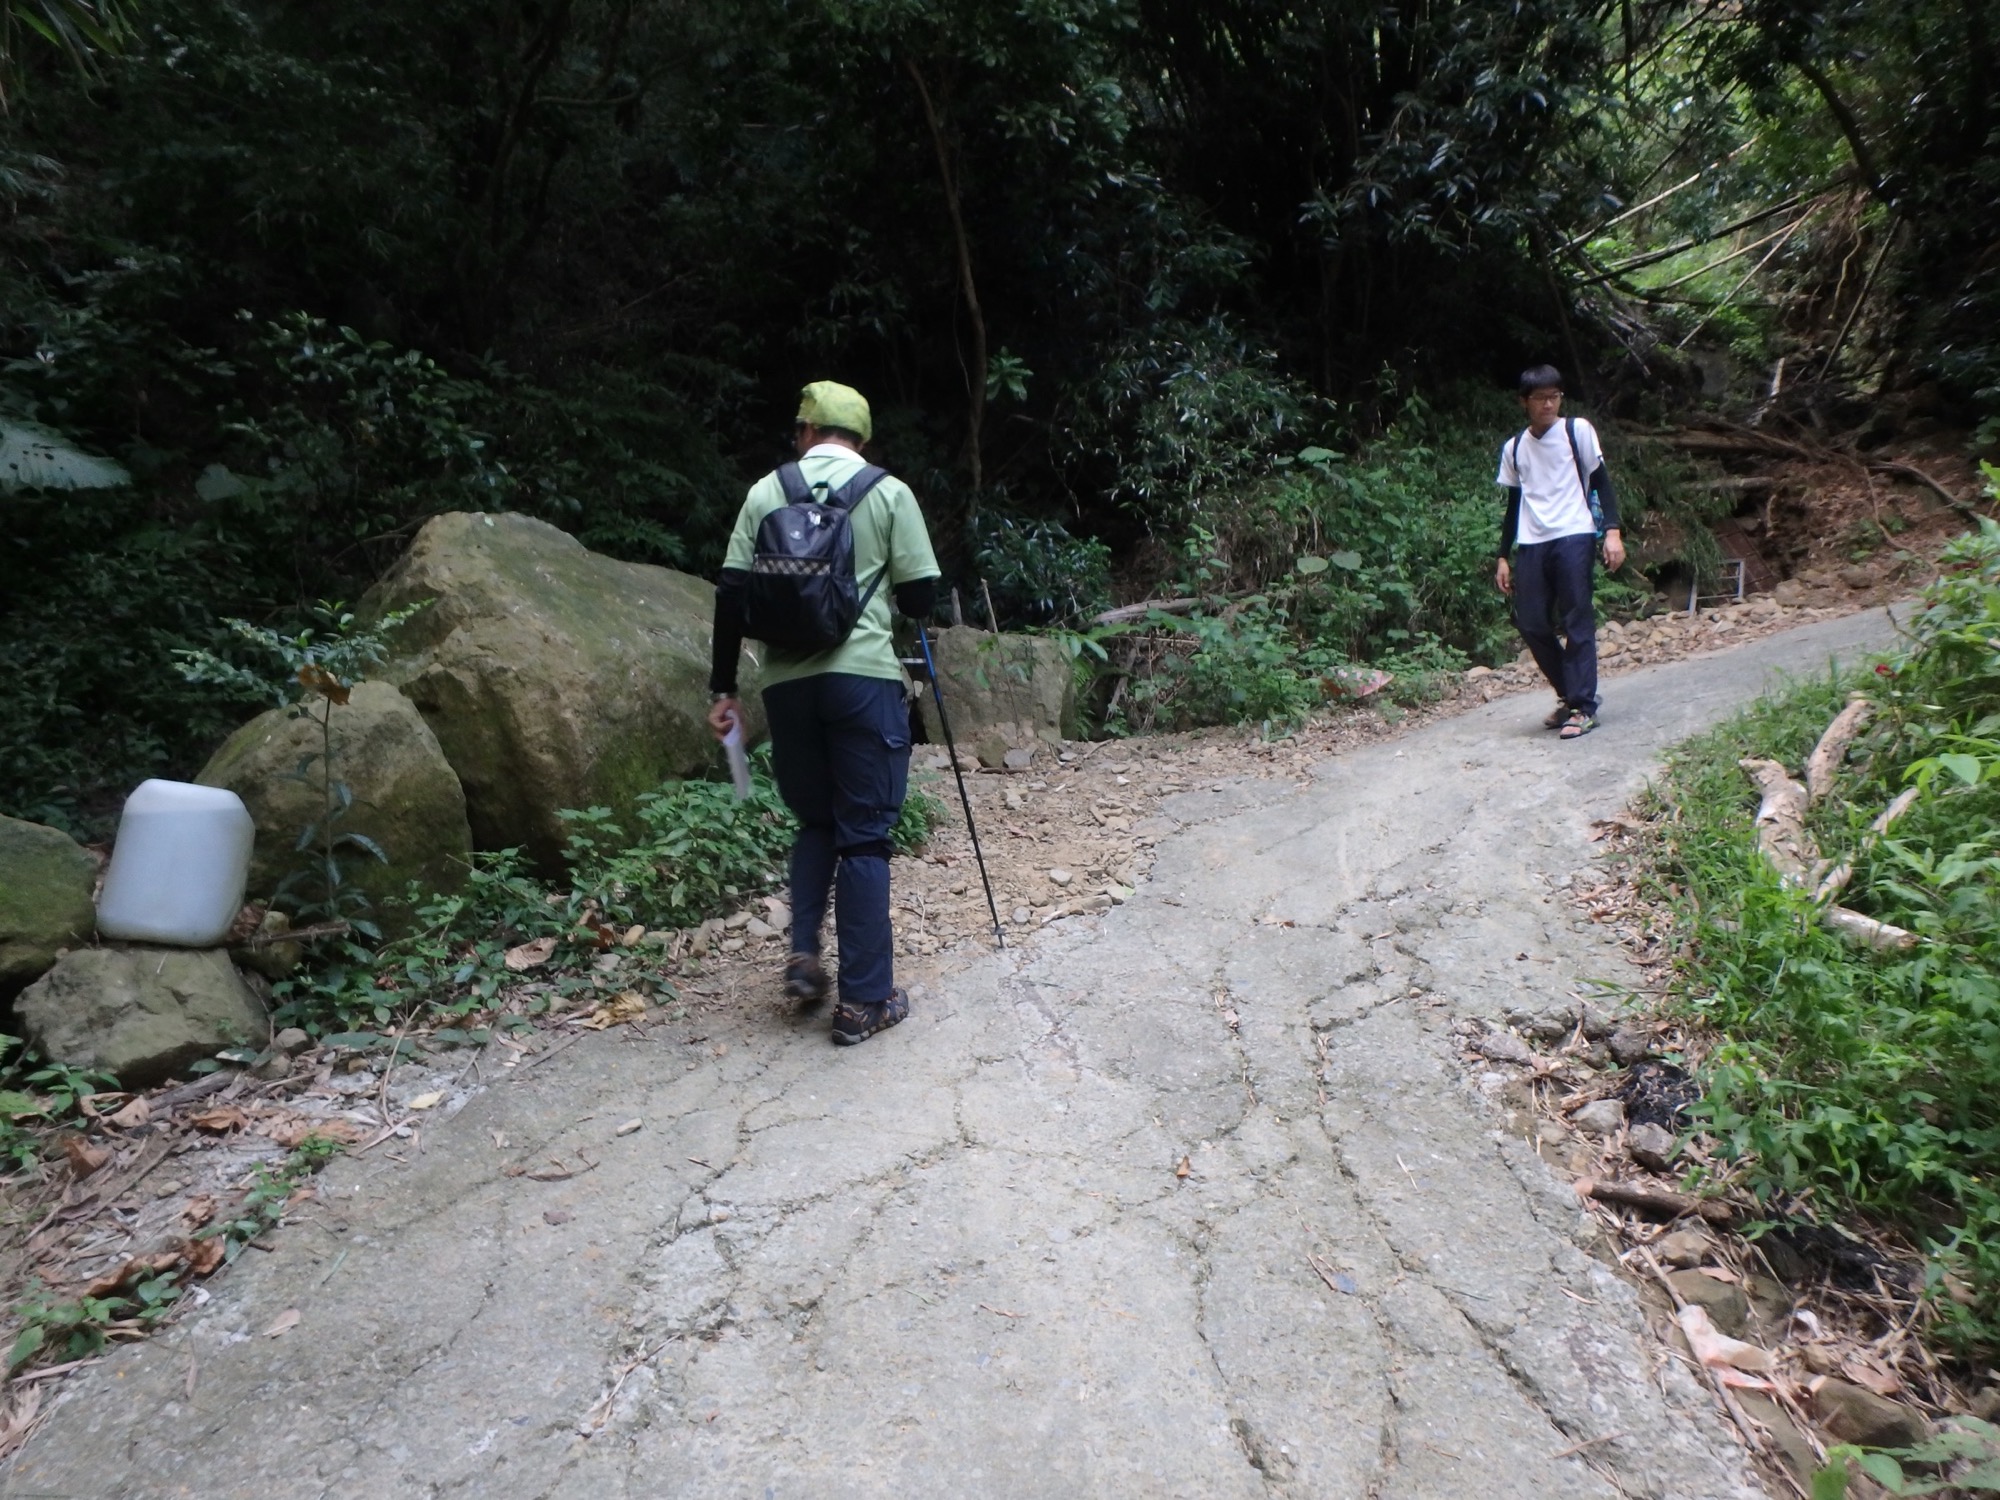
(1511, 524)
(1607, 501)
(728, 630)
(917, 598)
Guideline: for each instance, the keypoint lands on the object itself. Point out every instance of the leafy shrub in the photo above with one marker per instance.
(700, 854)
(1039, 572)
(1868, 1077)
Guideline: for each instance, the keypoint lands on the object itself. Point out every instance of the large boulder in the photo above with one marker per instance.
(1003, 692)
(553, 677)
(141, 1014)
(45, 883)
(406, 797)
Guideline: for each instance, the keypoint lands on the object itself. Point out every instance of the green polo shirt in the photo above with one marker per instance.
(887, 525)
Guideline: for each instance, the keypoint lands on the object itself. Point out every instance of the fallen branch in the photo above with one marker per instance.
(1657, 1200)
(1781, 820)
(187, 1093)
(1789, 849)
(1884, 936)
(1903, 803)
(1824, 762)
(1126, 613)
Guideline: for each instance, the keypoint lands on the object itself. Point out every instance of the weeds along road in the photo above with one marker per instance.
(1187, 1200)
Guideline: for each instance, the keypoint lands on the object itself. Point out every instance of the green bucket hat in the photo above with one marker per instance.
(828, 403)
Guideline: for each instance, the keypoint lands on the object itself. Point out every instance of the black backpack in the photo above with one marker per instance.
(803, 595)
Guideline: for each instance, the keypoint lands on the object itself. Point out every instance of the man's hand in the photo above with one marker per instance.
(1503, 577)
(1614, 550)
(723, 715)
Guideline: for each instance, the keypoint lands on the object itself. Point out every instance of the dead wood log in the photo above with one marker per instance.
(1781, 820)
(1884, 936)
(1824, 763)
(1126, 613)
(1788, 847)
(1657, 1200)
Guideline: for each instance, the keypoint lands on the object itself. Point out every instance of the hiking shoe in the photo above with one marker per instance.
(1578, 724)
(1558, 716)
(854, 1023)
(805, 979)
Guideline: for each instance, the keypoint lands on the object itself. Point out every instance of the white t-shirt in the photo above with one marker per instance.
(1553, 503)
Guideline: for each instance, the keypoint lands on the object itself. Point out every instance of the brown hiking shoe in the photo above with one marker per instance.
(805, 979)
(853, 1023)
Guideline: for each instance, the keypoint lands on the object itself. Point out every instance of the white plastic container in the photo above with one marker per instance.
(179, 866)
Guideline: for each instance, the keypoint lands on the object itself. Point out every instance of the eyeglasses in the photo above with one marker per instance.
(1544, 398)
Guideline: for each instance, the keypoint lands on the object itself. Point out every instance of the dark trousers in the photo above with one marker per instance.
(840, 747)
(1552, 594)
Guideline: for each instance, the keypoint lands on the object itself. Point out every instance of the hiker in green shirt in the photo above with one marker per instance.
(840, 720)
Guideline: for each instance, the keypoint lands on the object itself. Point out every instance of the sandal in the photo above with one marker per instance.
(853, 1024)
(1558, 716)
(805, 979)
(1578, 724)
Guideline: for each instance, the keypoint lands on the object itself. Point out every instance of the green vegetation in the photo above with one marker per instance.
(321, 669)
(700, 854)
(275, 287)
(1965, 1449)
(1382, 556)
(1867, 1079)
(262, 1207)
(37, 1096)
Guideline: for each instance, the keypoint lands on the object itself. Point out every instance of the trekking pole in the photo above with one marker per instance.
(965, 801)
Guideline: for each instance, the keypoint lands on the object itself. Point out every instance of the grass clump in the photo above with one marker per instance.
(1870, 1080)
(698, 853)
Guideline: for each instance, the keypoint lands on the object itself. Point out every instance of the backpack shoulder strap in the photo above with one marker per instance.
(1576, 453)
(858, 487)
(792, 480)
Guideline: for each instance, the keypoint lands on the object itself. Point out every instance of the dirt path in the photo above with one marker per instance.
(1188, 1198)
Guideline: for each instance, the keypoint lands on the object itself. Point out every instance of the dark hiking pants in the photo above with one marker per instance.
(1551, 600)
(840, 747)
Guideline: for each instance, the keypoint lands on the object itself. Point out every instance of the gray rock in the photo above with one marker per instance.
(552, 676)
(1600, 1117)
(270, 954)
(406, 798)
(141, 1014)
(1856, 1415)
(1007, 693)
(45, 883)
(1683, 1248)
(1652, 1146)
(1728, 1307)
(1629, 1044)
(1770, 1307)
(291, 1041)
(1504, 1046)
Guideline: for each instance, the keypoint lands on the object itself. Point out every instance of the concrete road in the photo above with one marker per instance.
(961, 1259)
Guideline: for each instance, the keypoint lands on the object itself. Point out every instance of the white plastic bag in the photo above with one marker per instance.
(739, 759)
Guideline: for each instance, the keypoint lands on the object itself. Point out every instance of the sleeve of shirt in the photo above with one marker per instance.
(1600, 476)
(1508, 475)
(910, 554)
(1589, 446)
(742, 550)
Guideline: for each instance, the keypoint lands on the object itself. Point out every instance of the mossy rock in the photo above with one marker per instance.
(553, 677)
(1002, 691)
(407, 799)
(142, 1014)
(45, 884)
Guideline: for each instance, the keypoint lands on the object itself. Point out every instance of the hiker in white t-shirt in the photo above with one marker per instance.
(1559, 501)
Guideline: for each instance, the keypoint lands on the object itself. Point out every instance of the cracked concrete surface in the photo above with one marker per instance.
(958, 1260)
